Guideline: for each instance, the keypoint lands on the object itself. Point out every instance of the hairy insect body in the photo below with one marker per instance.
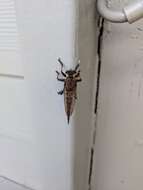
(69, 96)
(70, 79)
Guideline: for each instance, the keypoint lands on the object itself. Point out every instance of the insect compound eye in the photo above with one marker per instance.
(69, 72)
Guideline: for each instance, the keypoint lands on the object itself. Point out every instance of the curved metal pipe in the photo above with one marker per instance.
(130, 13)
(108, 14)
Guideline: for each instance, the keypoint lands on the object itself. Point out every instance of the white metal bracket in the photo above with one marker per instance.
(130, 13)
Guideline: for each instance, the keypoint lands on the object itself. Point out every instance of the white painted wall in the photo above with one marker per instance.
(119, 135)
(38, 148)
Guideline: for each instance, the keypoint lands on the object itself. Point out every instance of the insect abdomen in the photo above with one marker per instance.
(69, 97)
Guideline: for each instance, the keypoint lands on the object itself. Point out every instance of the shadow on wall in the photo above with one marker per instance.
(84, 116)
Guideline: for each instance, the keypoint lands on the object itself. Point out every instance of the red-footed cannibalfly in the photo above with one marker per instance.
(70, 79)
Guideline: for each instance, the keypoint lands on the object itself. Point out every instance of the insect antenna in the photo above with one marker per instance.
(62, 66)
(59, 60)
(77, 66)
(57, 72)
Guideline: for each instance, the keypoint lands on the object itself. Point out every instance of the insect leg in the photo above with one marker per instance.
(78, 80)
(77, 74)
(59, 79)
(77, 66)
(61, 92)
(62, 65)
(77, 77)
(59, 60)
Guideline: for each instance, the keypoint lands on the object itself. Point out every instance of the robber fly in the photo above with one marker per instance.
(70, 79)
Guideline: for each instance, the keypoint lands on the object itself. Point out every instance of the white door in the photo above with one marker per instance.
(38, 148)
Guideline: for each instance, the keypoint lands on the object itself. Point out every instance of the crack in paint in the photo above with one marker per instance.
(99, 50)
(91, 167)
